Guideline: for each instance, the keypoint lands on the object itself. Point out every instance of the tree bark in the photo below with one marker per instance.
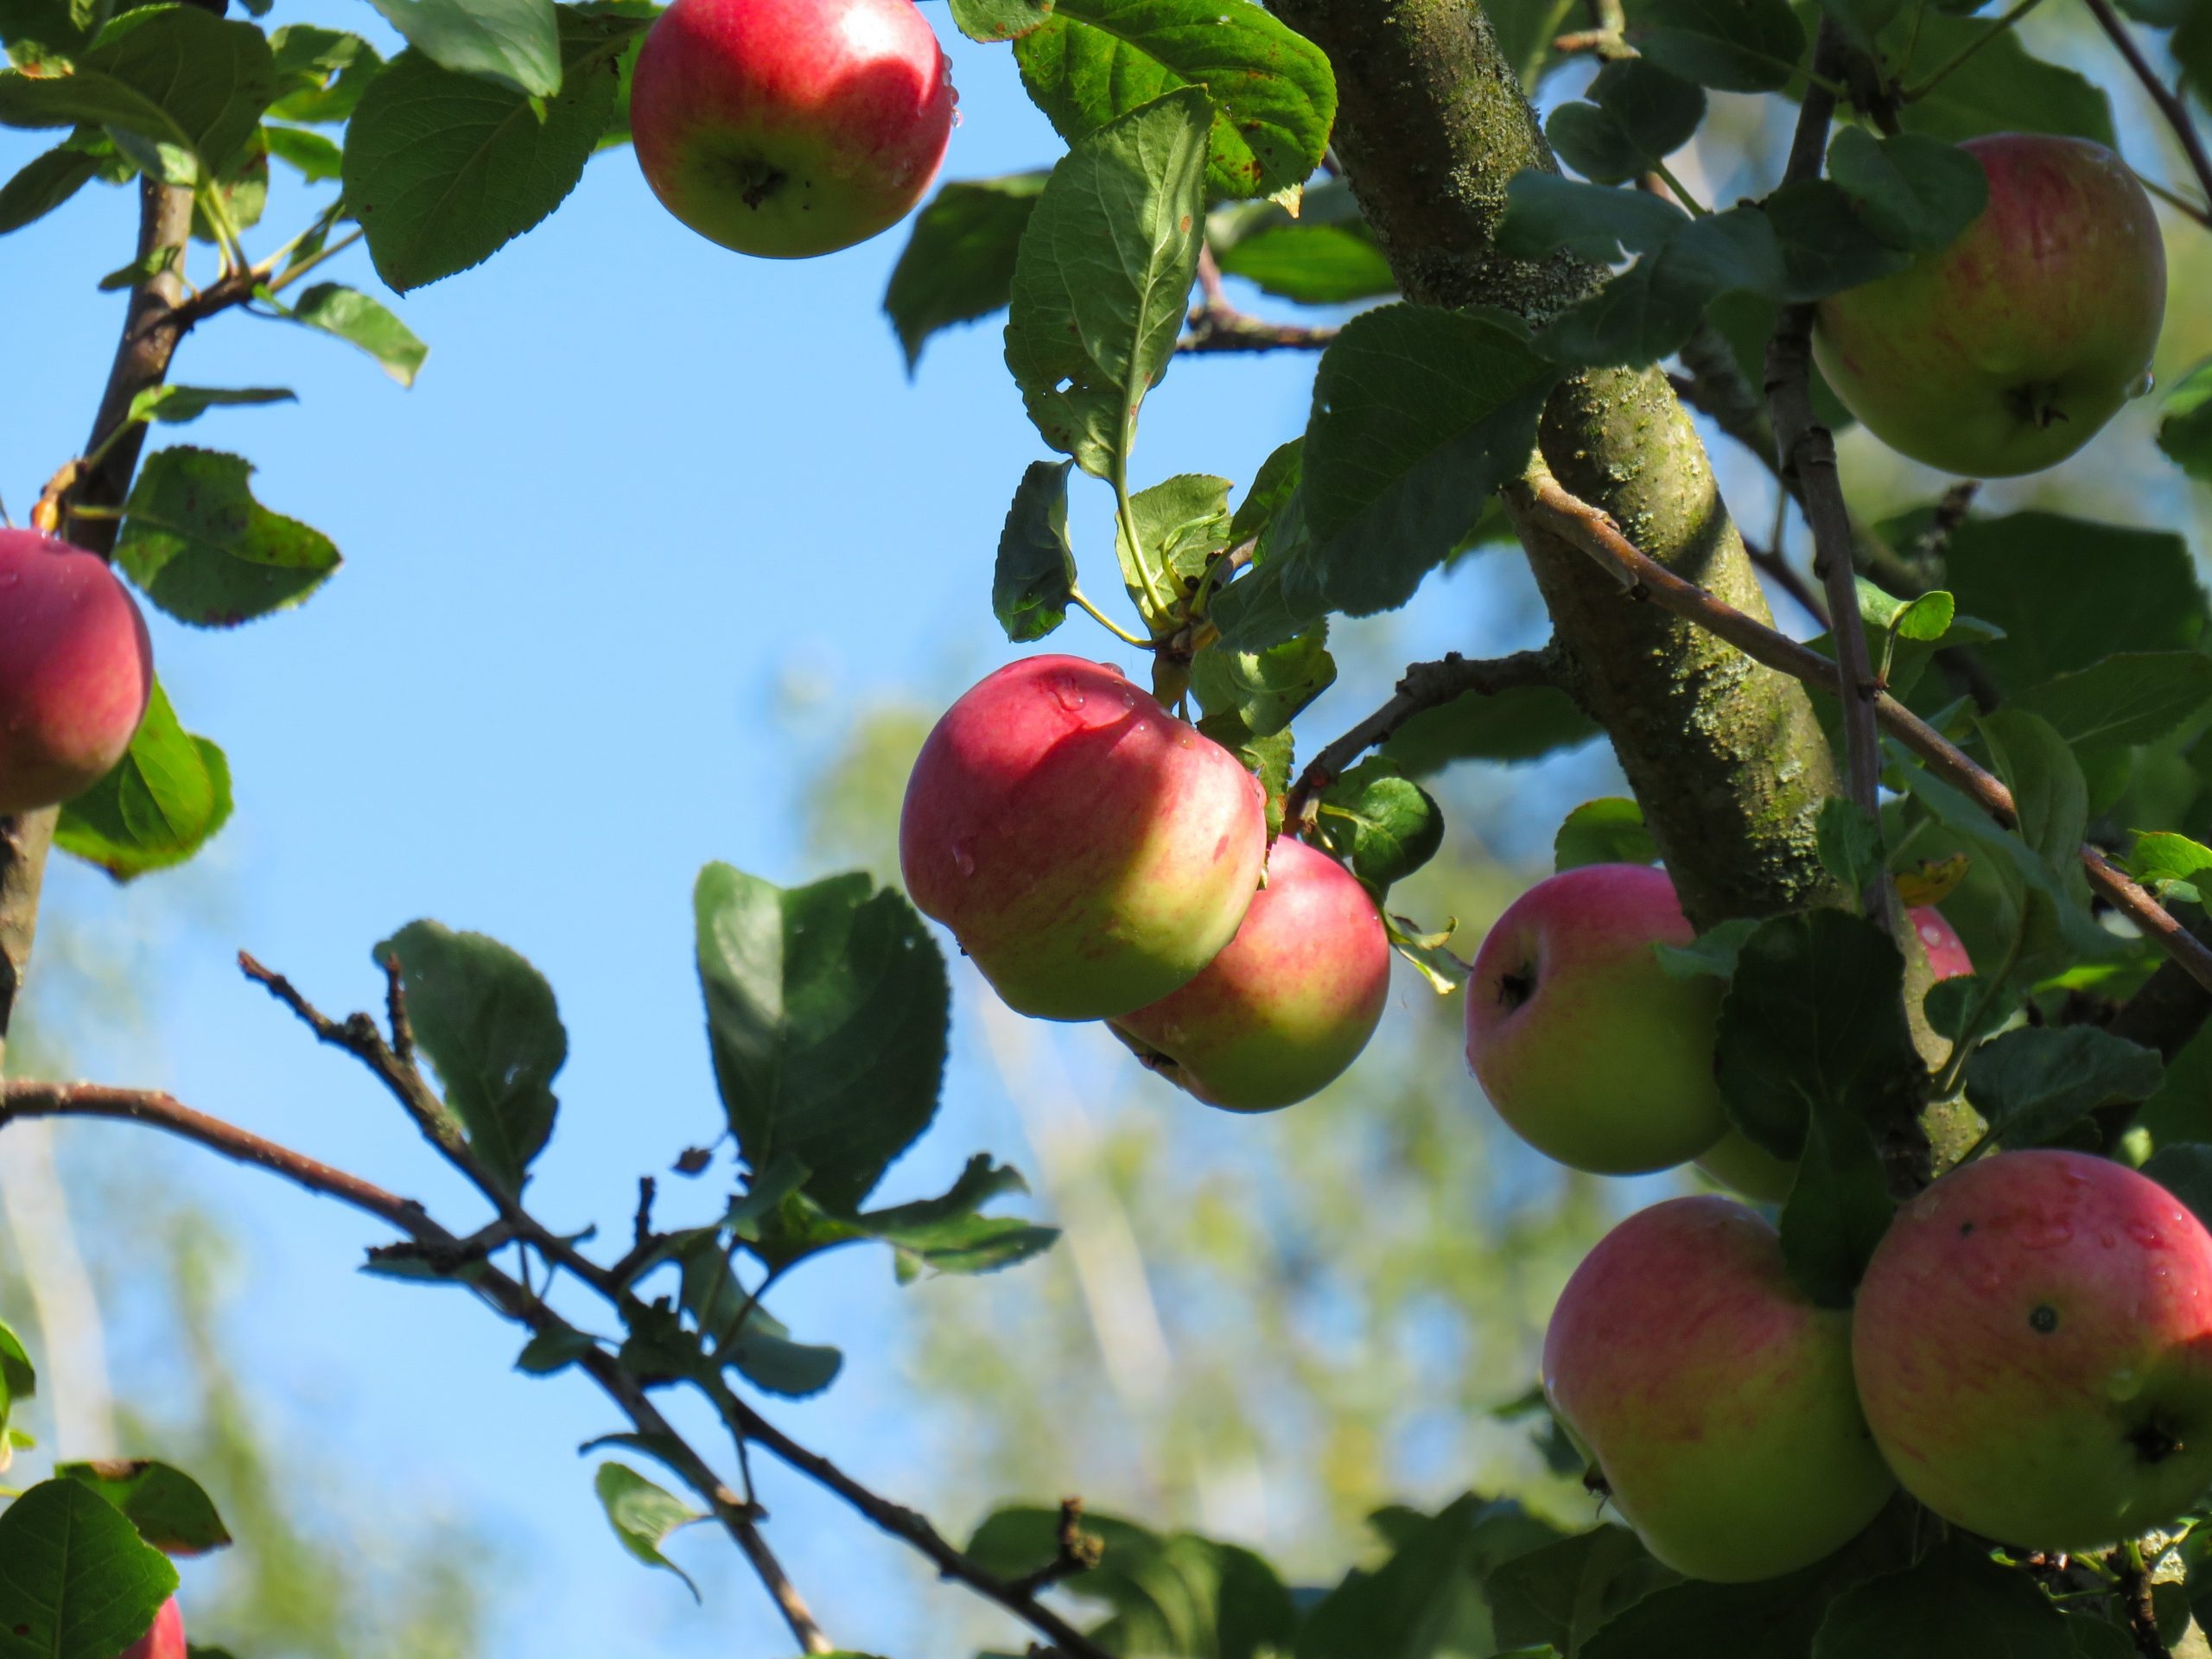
(1726, 757)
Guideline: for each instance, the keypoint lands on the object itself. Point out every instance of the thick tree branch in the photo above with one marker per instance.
(2171, 106)
(1424, 685)
(1585, 527)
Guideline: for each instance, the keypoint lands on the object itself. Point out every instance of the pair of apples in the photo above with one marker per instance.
(1098, 859)
(76, 669)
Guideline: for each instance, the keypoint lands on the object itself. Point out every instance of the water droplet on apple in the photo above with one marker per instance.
(963, 857)
(2142, 384)
(2147, 1235)
(2123, 1384)
(2047, 1236)
(1068, 696)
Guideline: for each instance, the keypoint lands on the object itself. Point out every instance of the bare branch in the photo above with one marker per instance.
(1219, 326)
(2169, 104)
(1078, 1551)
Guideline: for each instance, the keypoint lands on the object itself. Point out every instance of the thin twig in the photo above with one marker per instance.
(1424, 685)
(1785, 576)
(2169, 104)
(1546, 500)
(1076, 1551)
(1213, 327)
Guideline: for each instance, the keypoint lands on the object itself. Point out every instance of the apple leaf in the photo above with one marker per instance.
(1268, 758)
(1325, 256)
(79, 1582)
(2170, 864)
(1849, 842)
(320, 73)
(644, 1516)
(1034, 576)
(1180, 525)
(1521, 724)
(1733, 46)
(826, 1012)
(1838, 1208)
(947, 1234)
(1275, 98)
(42, 184)
(1637, 114)
(1772, 1619)
(1383, 826)
(166, 800)
(999, 20)
(1265, 688)
(176, 405)
(1559, 1595)
(1914, 192)
(363, 320)
(199, 545)
(2035, 1083)
(2128, 698)
(490, 1024)
(1825, 245)
(1957, 1601)
(1546, 214)
(1428, 1598)
(958, 262)
(1104, 275)
(2184, 431)
(168, 1508)
(443, 169)
(551, 1351)
(18, 1382)
(742, 1333)
(1649, 311)
(515, 44)
(1607, 831)
(2001, 87)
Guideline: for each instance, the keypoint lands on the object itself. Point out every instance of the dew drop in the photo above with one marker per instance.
(2046, 1235)
(2142, 384)
(963, 857)
(1067, 695)
(2147, 1235)
(2123, 1384)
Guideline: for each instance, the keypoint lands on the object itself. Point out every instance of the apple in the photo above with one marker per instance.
(1290, 1001)
(1740, 1165)
(76, 669)
(1590, 1050)
(1714, 1401)
(2033, 1345)
(790, 127)
(1091, 852)
(2006, 353)
(165, 1640)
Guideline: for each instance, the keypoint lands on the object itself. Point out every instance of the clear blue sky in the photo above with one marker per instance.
(642, 483)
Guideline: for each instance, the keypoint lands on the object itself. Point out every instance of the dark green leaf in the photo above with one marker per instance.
(1825, 245)
(2185, 433)
(42, 184)
(1711, 954)
(1607, 831)
(363, 320)
(2002, 88)
(1264, 689)
(1956, 1602)
(169, 796)
(18, 1380)
(765, 1356)
(1103, 275)
(1849, 842)
(2185, 1169)
(167, 1505)
(826, 1008)
(202, 548)
(1659, 112)
(2035, 1083)
(1772, 1619)
(1546, 214)
(1837, 1209)
(1736, 45)
(79, 1582)
(643, 1515)
(1035, 574)
(553, 1350)
(1313, 263)
(958, 263)
(1426, 1599)
(948, 1234)
(488, 1021)
(514, 44)
(1592, 142)
(1272, 487)
(1093, 60)
(1385, 827)
(320, 73)
(2129, 698)
(1560, 1595)
(1915, 193)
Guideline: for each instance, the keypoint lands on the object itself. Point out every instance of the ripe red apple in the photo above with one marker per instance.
(1590, 1050)
(1289, 1002)
(1091, 852)
(1740, 1165)
(165, 1640)
(76, 668)
(1714, 1401)
(2034, 1350)
(790, 128)
(2007, 351)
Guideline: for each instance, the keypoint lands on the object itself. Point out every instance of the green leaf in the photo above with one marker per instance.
(1825, 245)
(1265, 688)
(1093, 60)
(948, 1234)
(1171, 1593)
(958, 263)
(1180, 525)
(489, 1023)
(1928, 618)
(1649, 311)
(202, 548)
(1521, 724)
(42, 184)
(1734, 45)
(1914, 192)
(1311, 262)
(1558, 1596)
(999, 20)
(1385, 827)
(1957, 1601)
(167, 798)
(165, 1504)
(1849, 842)
(1102, 276)
(1268, 758)
(2185, 433)
(1837, 1209)
(1608, 831)
(1772, 1619)
(320, 73)
(643, 1515)
(2001, 88)
(553, 1350)
(169, 74)
(363, 320)
(1034, 579)
(1711, 954)
(443, 169)
(1418, 416)
(1428, 1598)
(18, 1381)
(826, 1009)
(765, 1356)
(1638, 114)
(2034, 1083)
(1545, 214)
(2162, 860)
(2129, 698)
(77, 1582)
(317, 159)
(515, 44)
(1814, 1020)
(1272, 487)
(177, 404)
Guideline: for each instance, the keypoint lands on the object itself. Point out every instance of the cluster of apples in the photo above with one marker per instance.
(76, 669)
(790, 127)
(2028, 1354)
(1098, 859)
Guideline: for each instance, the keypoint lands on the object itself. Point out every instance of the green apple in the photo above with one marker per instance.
(1091, 852)
(1589, 1050)
(76, 670)
(1288, 1004)
(1714, 1402)
(2007, 351)
(2033, 1347)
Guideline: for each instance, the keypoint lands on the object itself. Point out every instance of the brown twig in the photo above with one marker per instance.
(2168, 102)
(1424, 685)
(1078, 1551)
(2135, 1601)
(1585, 527)
(1785, 576)
(1214, 325)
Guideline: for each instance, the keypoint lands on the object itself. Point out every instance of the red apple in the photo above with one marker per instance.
(1289, 1002)
(1091, 852)
(788, 127)
(1591, 1051)
(1714, 1401)
(2007, 351)
(165, 1640)
(1741, 1165)
(2034, 1351)
(76, 668)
